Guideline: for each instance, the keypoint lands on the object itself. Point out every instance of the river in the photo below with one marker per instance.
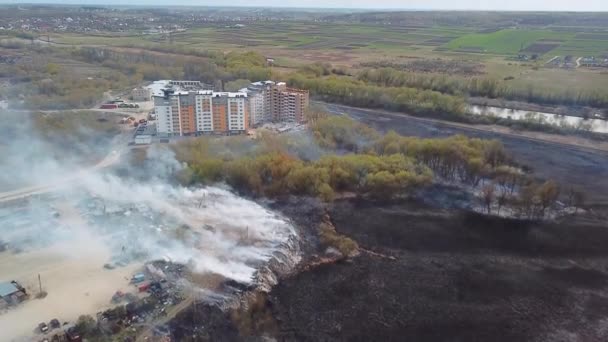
(564, 121)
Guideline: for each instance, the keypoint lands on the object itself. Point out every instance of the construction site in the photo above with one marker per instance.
(131, 255)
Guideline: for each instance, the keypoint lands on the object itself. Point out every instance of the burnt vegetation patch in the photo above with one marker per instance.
(437, 65)
(454, 276)
(541, 47)
(416, 227)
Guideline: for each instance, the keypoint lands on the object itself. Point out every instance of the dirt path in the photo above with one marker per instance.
(14, 195)
(148, 331)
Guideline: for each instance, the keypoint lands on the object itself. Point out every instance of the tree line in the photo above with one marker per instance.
(280, 174)
(42, 84)
(369, 164)
(356, 93)
(481, 87)
(207, 67)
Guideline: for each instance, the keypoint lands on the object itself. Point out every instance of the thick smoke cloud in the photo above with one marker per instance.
(137, 219)
(25, 160)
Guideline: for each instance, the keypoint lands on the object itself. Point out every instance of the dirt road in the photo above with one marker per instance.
(572, 161)
(148, 332)
(13, 195)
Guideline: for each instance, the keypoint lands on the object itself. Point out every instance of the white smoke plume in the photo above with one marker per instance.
(98, 217)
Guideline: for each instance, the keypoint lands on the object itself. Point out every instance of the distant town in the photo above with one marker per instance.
(91, 19)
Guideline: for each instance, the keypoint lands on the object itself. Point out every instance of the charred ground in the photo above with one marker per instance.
(456, 277)
(429, 274)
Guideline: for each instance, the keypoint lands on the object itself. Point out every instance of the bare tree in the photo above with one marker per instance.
(526, 201)
(547, 193)
(487, 195)
(502, 198)
(576, 198)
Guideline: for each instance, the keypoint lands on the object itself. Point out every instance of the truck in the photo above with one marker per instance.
(108, 106)
(138, 278)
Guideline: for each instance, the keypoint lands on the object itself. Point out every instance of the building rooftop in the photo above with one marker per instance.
(211, 92)
(157, 87)
(179, 87)
(7, 289)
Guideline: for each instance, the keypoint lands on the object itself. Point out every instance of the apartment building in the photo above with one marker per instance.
(184, 108)
(187, 113)
(257, 109)
(281, 103)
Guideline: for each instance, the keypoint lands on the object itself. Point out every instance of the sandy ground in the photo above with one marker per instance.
(72, 274)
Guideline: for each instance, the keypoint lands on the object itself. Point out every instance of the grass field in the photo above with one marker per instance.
(358, 41)
(505, 42)
(293, 44)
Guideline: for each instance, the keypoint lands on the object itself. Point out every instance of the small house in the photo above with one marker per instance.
(141, 94)
(12, 293)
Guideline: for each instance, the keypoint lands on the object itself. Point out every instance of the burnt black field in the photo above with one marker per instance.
(456, 276)
(434, 275)
(433, 270)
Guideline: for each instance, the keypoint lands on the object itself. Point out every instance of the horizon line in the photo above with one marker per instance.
(400, 9)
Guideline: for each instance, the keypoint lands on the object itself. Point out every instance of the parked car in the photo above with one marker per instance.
(55, 324)
(43, 328)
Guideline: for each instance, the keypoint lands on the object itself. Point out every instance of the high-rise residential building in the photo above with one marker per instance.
(281, 103)
(257, 108)
(183, 113)
(184, 108)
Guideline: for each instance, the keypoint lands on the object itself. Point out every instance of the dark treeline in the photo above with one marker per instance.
(481, 164)
(380, 167)
(455, 159)
(276, 173)
(42, 84)
(478, 86)
(356, 93)
(206, 67)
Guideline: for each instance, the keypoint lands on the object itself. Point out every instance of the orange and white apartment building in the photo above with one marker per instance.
(184, 109)
(185, 112)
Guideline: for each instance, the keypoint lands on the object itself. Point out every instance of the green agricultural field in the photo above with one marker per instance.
(583, 47)
(504, 42)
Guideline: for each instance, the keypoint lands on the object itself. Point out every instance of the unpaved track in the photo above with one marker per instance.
(148, 331)
(25, 192)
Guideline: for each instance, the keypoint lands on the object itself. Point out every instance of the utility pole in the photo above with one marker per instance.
(39, 283)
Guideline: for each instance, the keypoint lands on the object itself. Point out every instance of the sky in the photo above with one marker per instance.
(517, 5)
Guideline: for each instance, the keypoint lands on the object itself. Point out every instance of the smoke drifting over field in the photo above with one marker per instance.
(129, 217)
(36, 147)
(23, 157)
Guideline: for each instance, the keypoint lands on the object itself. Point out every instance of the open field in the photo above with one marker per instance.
(505, 41)
(359, 38)
(294, 43)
